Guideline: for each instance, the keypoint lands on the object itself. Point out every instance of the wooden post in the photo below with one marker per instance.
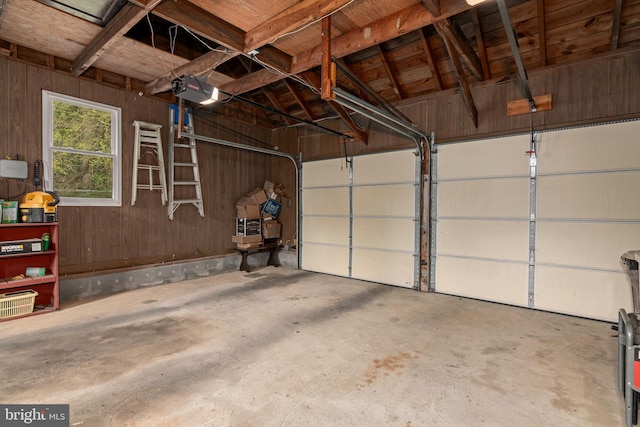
(328, 67)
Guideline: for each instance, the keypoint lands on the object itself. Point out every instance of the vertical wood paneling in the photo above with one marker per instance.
(97, 238)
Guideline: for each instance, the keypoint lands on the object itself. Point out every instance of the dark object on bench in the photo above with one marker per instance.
(273, 257)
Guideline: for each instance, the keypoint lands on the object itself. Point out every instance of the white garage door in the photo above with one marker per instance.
(359, 217)
(584, 209)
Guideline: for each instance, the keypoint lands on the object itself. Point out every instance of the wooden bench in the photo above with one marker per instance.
(273, 257)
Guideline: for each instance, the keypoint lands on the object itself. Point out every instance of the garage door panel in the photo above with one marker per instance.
(484, 198)
(326, 201)
(507, 240)
(600, 196)
(585, 244)
(393, 268)
(379, 218)
(396, 166)
(328, 259)
(488, 280)
(495, 157)
(383, 233)
(384, 200)
(590, 148)
(325, 173)
(328, 230)
(593, 294)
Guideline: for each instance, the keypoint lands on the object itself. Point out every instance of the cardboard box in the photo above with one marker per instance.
(248, 227)
(247, 239)
(248, 211)
(257, 197)
(271, 229)
(269, 188)
(20, 246)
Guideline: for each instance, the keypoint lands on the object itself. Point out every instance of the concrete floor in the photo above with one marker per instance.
(280, 347)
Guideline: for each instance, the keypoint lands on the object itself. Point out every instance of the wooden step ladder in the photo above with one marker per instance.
(180, 169)
(148, 157)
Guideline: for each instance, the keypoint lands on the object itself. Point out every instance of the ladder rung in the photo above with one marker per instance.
(149, 187)
(190, 165)
(183, 146)
(179, 202)
(185, 183)
(149, 167)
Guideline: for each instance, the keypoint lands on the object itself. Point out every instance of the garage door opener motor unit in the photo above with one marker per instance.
(629, 343)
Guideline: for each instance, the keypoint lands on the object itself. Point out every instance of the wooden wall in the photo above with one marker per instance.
(100, 238)
(603, 89)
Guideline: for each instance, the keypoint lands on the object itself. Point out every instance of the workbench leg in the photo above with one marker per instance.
(273, 258)
(244, 265)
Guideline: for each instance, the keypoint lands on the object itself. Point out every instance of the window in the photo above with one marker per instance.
(81, 150)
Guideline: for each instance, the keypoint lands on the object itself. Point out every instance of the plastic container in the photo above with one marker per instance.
(15, 304)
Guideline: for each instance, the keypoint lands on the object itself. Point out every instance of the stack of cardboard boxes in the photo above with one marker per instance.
(256, 216)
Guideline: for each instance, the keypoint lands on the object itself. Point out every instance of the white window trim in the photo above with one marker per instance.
(47, 148)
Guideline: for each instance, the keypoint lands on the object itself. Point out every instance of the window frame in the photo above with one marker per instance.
(48, 98)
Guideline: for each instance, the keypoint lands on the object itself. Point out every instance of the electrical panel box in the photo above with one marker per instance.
(17, 169)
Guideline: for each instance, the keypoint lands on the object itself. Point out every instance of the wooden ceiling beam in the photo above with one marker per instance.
(390, 74)
(433, 66)
(290, 20)
(482, 49)
(253, 81)
(358, 133)
(182, 12)
(207, 62)
(297, 94)
(615, 27)
(433, 6)
(542, 33)
(276, 103)
(462, 78)
(457, 39)
(390, 27)
(117, 27)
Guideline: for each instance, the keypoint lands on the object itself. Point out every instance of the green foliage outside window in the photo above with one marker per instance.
(81, 139)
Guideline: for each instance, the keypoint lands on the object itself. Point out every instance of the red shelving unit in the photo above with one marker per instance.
(12, 265)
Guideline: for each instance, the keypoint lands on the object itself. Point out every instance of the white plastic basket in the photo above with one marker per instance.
(15, 304)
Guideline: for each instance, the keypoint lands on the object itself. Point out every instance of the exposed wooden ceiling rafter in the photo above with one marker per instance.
(117, 27)
(297, 94)
(482, 50)
(202, 64)
(290, 20)
(390, 74)
(615, 27)
(542, 33)
(358, 133)
(433, 66)
(451, 30)
(433, 6)
(465, 90)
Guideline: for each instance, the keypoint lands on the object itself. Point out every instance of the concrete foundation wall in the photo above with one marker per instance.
(101, 285)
